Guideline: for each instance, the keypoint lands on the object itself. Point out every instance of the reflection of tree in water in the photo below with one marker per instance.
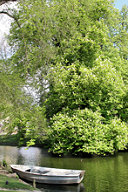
(31, 156)
(63, 163)
(10, 154)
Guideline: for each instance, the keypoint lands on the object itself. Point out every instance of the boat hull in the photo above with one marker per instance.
(50, 175)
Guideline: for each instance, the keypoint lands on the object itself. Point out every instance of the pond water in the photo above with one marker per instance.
(102, 174)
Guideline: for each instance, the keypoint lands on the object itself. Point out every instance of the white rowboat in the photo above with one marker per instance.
(48, 175)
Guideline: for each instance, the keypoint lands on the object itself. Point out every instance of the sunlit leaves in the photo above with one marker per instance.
(83, 131)
(78, 87)
(77, 53)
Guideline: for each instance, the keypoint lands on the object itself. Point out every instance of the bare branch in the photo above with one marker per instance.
(4, 12)
(12, 16)
(5, 1)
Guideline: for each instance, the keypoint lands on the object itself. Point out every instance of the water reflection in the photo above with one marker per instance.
(10, 154)
(101, 174)
(61, 188)
(29, 156)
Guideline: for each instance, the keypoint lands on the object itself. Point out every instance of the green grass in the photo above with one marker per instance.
(13, 183)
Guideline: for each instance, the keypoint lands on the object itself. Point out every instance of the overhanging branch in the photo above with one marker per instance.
(4, 12)
(12, 16)
(5, 1)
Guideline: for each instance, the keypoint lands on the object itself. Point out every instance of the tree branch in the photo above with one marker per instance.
(6, 1)
(12, 16)
(4, 12)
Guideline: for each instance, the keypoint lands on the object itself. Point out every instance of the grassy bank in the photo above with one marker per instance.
(10, 181)
(13, 184)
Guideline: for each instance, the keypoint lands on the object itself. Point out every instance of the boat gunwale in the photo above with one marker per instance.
(45, 174)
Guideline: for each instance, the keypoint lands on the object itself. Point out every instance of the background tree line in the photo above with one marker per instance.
(75, 55)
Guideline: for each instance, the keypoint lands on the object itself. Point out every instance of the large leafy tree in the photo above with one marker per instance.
(75, 53)
(121, 41)
(18, 111)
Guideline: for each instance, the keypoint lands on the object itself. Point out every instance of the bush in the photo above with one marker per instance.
(85, 131)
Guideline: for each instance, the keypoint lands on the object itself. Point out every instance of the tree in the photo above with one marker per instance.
(121, 41)
(71, 52)
(17, 108)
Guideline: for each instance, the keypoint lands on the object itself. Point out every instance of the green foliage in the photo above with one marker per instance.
(84, 131)
(30, 125)
(4, 163)
(10, 89)
(18, 112)
(9, 139)
(75, 54)
(99, 88)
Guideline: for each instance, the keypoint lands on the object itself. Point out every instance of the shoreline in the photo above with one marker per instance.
(11, 182)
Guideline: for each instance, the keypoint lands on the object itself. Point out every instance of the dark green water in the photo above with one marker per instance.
(102, 174)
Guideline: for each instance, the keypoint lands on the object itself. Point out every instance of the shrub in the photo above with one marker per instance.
(85, 131)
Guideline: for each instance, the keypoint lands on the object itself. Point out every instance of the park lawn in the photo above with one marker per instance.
(13, 184)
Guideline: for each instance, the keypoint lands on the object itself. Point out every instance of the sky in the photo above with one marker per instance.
(120, 3)
(5, 23)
